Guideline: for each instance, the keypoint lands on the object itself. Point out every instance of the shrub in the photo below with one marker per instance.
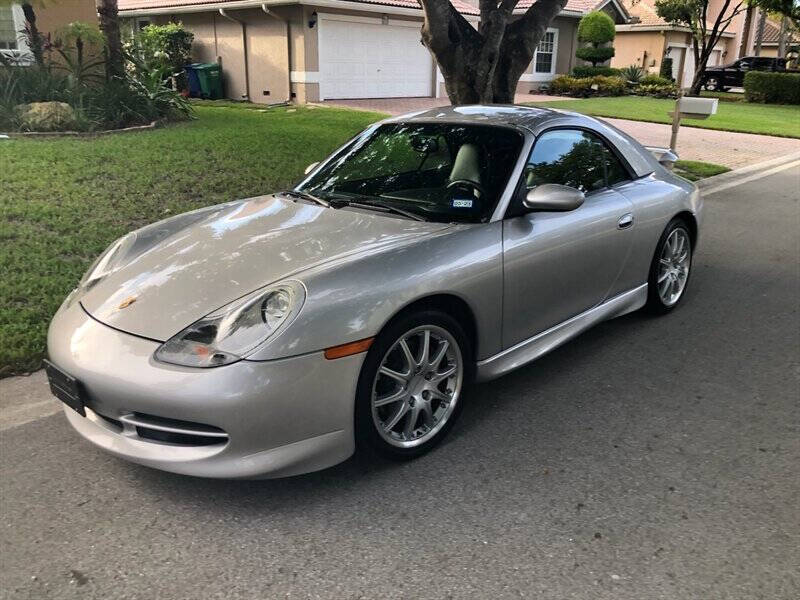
(596, 28)
(594, 54)
(656, 90)
(773, 88)
(632, 73)
(585, 86)
(666, 68)
(571, 86)
(654, 80)
(80, 46)
(582, 71)
(166, 46)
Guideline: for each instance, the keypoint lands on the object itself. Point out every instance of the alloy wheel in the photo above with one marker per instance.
(674, 264)
(417, 386)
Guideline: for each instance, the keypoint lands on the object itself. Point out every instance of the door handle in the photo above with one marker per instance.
(625, 221)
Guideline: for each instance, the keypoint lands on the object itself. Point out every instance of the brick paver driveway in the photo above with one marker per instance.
(727, 148)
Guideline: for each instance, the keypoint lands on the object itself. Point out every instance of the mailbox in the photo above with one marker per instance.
(697, 108)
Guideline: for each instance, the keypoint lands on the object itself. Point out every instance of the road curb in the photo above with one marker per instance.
(731, 176)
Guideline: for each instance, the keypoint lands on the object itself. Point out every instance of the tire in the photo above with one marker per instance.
(667, 281)
(712, 84)
(422, 395)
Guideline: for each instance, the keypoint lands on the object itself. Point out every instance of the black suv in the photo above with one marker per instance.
(719, 79)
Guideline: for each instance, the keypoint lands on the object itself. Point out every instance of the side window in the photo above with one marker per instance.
(568, 157)
(615, 171)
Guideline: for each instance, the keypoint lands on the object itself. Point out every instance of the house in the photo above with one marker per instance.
(309, 50)
(50, 17)
(648, 38)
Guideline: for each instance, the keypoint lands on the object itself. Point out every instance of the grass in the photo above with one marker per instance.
(64, 200)
(769, 119)
(695, 169)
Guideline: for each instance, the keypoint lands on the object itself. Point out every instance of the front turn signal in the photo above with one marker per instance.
(348, 349)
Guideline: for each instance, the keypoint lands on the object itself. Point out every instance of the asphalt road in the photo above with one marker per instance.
(649, 458)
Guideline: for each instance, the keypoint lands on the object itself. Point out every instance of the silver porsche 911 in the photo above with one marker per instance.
(271, 336)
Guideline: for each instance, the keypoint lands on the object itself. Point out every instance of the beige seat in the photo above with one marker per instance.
(467, 165)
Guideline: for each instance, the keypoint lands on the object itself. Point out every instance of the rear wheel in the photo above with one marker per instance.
(670, 269)
(409, 390)
(714, 84)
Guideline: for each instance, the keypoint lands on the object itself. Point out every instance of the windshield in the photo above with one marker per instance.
(438, 171)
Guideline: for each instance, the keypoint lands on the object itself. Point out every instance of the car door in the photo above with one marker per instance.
(736, 77)
(559, 264)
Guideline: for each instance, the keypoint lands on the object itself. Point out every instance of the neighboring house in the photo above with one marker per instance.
(648, 38)
(771, 38)
(309, 50)
(50, 18)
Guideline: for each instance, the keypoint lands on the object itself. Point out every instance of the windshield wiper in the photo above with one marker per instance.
(305, 196)
(369, 203)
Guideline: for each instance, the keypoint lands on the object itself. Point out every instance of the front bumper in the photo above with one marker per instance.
(281, 417)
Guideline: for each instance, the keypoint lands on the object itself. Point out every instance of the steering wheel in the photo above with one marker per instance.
(467, 183)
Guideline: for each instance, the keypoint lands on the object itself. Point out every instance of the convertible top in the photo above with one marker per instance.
(536, 120)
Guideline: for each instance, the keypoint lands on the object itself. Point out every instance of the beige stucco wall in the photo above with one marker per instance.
(217, 38)
(642, 48)
(54, 15)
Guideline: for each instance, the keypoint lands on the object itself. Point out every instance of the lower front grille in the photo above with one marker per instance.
(167, 431)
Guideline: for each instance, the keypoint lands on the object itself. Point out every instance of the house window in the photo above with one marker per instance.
(8, 29)
(142, 23)
(545, 57)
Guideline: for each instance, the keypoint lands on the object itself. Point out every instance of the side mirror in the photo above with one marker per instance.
(553, 197)
(311, 167)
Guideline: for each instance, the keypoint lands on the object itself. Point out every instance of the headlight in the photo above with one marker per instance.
(234, 331)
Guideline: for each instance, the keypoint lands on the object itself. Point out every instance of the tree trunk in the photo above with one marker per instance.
(34, 37)
(782, 38)
(483, 66)
(762, 21)
(109, 25)
(748, 25)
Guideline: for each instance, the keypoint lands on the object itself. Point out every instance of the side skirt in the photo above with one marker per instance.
(542, 343)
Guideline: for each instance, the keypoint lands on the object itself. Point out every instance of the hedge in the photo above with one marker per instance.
(773, 88)
(585, 86)
(588, 71)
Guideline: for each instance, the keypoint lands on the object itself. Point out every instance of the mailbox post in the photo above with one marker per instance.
(689, 108)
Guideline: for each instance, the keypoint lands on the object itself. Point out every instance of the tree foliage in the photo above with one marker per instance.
(694, 14)
(596, 28)
(168, 45)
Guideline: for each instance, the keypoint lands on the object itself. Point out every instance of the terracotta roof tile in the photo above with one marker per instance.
(463, 6)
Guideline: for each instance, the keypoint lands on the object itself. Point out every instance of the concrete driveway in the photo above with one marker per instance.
(653, 458)
(733, 150)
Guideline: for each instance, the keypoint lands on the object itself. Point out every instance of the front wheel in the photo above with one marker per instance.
(670, 269)
(410, 387)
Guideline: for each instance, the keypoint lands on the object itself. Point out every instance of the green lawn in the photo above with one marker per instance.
(770, 119)
(695, 169)
(64, 200)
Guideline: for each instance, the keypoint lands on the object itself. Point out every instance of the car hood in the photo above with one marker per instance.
(201, 261)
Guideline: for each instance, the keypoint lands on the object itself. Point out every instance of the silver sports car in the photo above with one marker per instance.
(271, 336)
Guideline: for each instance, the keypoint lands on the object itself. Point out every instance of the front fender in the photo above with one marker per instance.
(353, 298)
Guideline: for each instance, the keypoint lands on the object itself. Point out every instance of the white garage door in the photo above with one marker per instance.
(372, 60)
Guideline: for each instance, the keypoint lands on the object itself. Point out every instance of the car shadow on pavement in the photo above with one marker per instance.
(497, 420)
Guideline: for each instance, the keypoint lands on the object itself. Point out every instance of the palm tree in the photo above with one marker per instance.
(108, 15)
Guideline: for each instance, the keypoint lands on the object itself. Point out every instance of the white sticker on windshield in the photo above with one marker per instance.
(462, 203)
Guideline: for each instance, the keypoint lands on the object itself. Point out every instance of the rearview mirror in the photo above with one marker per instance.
(553, 197)
(311, 167)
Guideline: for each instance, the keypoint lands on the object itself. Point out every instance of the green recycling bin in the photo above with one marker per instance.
(210, 77)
